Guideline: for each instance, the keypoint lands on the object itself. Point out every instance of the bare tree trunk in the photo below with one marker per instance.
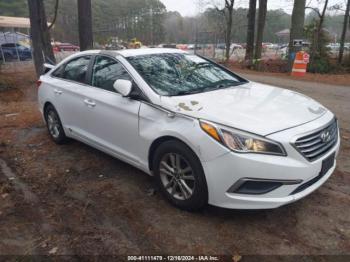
(55, 15)
(85, 25)
(343, 35)
(35, 35)
(229, 4)
(46, 37)
(227, 13)
(228, 35)
(261, 27)
(320, 25)
(40, 36)
(323, 16)
(297, 28)
(250, 31)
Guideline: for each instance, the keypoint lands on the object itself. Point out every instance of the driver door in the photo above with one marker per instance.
(112, 120)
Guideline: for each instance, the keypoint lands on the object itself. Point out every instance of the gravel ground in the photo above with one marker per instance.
(73, 199)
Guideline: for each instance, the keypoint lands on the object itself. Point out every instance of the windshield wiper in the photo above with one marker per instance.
(223, 84)
(188, 92)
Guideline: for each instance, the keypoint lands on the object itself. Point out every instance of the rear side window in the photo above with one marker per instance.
(74, 70)
(106, 71)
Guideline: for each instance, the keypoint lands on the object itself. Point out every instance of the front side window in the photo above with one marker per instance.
(106, 71)
(74, 70)
(58, 72)
(181, 74)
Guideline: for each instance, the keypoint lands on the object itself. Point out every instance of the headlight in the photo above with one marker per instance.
(242, 142)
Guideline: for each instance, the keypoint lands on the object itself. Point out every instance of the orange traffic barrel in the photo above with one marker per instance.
(300, 63)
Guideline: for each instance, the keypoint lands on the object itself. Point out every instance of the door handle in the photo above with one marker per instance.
(58, 92)
(90, 103)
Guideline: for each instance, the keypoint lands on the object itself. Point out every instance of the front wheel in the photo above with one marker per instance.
(179, 175)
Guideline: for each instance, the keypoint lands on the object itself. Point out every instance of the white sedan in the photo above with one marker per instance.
(206, 134)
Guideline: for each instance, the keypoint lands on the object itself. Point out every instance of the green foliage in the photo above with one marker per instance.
(149, 21)
(276, 20)
(319, 53)
(66, 27)
(142, 19)
(333, 23)
(320, 65)
(212, 21)
(174, 24)
(14, 8)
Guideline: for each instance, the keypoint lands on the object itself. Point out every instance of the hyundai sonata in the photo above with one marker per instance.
(206, 134)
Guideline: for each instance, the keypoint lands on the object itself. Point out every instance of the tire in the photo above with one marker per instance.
(9, 57)
(191, 196)
(54, 125)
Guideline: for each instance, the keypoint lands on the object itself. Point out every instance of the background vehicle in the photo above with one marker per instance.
(134, 44)
(65, 47)
(115, 46)
(169, 46)
(13, 51)
(190, 47)
(236, 46)
(221, 46)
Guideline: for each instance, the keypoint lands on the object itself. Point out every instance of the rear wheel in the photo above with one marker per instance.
(9, 57)
(179, 175)
(54, 125)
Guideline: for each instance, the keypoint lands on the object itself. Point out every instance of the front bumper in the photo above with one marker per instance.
(228, 169)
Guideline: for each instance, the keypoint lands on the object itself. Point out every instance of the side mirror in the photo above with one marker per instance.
(123, 87)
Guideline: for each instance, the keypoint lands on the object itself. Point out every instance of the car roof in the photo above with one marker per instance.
(127, 52)
(149, 51)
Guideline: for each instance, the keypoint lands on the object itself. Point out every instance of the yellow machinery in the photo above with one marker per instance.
(134, 44)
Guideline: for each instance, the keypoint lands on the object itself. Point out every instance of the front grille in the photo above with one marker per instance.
(318, 143)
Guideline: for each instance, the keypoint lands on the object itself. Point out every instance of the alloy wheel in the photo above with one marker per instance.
(53, 124)
(177, 176)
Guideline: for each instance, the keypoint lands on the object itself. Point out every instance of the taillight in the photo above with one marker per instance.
(38, 83)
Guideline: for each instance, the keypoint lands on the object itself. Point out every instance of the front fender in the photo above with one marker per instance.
(155, 123)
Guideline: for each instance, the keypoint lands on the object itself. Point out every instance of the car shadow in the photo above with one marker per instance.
(133, 175)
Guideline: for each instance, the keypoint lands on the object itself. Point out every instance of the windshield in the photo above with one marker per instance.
(181, 74)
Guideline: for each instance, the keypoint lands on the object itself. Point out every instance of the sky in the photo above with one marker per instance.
(191, 8)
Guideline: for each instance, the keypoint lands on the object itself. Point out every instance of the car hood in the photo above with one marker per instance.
(253, 107)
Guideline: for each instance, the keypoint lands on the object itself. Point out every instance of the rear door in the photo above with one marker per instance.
(69, 84)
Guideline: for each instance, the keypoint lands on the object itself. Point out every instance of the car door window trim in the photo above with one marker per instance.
(90, 73)
(67, 62)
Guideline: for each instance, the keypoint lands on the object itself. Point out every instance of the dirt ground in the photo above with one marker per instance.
(331, 79)
(75, 200)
